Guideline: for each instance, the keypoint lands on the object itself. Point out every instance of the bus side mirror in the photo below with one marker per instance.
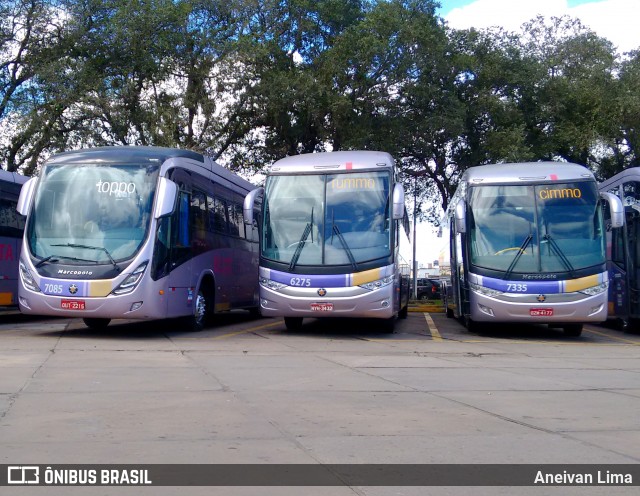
(398, 202)
(461, 218)
(166, 196)
(249, 204)
(615, 209)
(26, 195)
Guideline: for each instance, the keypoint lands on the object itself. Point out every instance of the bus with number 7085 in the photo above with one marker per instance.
(526, 243)
(136, 233)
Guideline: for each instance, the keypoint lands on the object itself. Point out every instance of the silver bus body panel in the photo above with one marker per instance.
(346, 298)
(586, 309)
(379, 303)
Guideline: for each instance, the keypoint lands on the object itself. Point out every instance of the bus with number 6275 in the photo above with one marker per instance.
(333, 228)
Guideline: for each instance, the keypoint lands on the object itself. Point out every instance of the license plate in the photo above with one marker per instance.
(541, 312)
(322, 307)
(72, 304)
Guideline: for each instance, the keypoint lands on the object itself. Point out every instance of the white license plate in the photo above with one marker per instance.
(322, 307)
(72, 304)
(541, 312)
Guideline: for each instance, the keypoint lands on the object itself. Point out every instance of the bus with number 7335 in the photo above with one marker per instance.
(526, 242)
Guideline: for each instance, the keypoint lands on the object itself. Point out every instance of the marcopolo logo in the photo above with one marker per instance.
(23, 474)
(65, 272)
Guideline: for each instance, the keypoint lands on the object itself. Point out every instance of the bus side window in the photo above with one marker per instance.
(180, 239)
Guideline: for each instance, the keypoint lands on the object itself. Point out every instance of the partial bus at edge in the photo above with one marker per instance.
(136, 233)
(527, 243)
(623, 251)
(11, 228)
(333, 225)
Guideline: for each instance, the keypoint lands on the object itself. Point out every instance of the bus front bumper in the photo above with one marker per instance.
(582, 309)
(337, 302)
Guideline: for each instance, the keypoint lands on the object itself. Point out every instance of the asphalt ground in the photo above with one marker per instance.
(247, 391)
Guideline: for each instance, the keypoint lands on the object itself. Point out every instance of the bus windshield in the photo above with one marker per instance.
(555, 227)
(91, 213)
(331, 219)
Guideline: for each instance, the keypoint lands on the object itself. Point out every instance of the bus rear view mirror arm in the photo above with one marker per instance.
(249, 204)
(167, 194)
(615, 208)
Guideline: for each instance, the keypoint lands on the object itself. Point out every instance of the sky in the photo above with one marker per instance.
(615, 20)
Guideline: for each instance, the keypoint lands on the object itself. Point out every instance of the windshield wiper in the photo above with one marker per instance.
(343, 241)
(55, 258)
(88, 247)
(521, 250)
(308, 229)
(563, 258)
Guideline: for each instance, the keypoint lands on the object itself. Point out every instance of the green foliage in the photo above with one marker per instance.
(251, 81)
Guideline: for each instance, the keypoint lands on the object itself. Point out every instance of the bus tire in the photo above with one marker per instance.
(388, 325)
(95, 323)
(472, 325)
(404, 312)
(449, 312)
(202, 310)
(572, 330)
(293, 323)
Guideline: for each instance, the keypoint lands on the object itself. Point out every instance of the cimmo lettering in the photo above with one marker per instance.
(559, 193)
(353, 183)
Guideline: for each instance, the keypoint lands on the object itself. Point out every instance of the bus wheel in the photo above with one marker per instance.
(388, 325)
(449, 312)
(472, 325)
(293, 323)
(404, 313)
(96, 324)
(573, 330)
(202, 310)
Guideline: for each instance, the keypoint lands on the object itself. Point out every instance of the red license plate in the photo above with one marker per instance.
(541, 312)
(322, 307)
(72, 304)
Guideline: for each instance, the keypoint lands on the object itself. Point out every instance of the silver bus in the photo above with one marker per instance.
(332, 228)
(623, 250)
(11, 228)
(526, 243)
(136, 233)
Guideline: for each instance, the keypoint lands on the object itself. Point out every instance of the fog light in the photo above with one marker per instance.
(135, 306)
(264, 303)
(485, 310)
(385, 304)
(595, 309)
(24, 302)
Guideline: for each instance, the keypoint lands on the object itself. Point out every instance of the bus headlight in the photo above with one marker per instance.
(131, 281)
(594, 290)
(385, 281)
(272, 285)
(484, 290)
(27, 279)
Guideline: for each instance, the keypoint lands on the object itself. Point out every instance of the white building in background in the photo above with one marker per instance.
(430, 270)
